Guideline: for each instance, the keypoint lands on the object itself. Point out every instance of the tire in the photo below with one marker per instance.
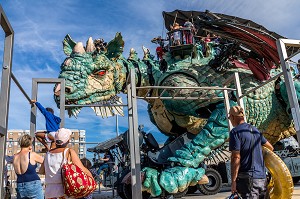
(192, 189)
(120, 185)
(120, 188)
(296, 179)
(128, 193)
(215, 182)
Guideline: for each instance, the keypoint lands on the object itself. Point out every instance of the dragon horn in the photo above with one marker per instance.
(78, 48)
(90, 47)
(132, 53)
(146, 52)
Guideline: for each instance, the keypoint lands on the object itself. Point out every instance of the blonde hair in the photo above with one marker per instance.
(25, 141)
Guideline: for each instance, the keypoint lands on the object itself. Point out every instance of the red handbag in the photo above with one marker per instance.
(76, 183)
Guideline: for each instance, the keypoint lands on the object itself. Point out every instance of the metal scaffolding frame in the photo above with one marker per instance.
(5, 90)
(34, 92)
(282, 45)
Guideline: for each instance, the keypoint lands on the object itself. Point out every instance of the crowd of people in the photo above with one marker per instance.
(25, 162)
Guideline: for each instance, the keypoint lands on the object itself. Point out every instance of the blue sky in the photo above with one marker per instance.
(40, 27)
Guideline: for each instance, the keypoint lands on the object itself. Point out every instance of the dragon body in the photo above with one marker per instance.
(97, 76)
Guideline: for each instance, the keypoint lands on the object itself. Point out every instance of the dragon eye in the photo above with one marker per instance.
(100, 72)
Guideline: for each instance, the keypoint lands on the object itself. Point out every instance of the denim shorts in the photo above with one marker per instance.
(30, 190)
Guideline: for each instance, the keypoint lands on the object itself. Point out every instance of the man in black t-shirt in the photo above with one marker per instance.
(248, 172)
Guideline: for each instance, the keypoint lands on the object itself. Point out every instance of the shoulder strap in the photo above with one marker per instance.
(29, 156)
(63, 156)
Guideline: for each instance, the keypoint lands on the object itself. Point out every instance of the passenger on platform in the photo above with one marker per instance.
(54, 159)
(107, 163)
(52, 125)
(188, 32)
(25, 163)
(176, 34)
(206, 49)
(159, 52)
(248, 172)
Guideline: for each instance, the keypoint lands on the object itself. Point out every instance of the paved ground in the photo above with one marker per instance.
(225, 192)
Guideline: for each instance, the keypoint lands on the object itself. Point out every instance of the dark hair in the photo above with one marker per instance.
(50, 110)
(86, 163)
(58, 145)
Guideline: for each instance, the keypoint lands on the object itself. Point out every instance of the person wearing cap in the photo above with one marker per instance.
(54, 159)
(248, 172)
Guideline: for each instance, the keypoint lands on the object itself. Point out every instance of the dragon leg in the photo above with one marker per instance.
(281, 184)
(178, 178)
(213, 135)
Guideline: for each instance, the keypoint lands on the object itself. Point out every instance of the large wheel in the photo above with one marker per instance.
(120, 188)
(215, 182)
(128, 193)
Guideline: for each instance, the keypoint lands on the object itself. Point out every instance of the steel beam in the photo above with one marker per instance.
(288, 79)
(135, 164)
(5, 91)
(34, 92)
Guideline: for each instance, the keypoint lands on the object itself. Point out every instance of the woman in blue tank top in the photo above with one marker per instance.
(25, 164)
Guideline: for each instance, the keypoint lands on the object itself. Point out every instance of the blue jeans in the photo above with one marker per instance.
(30, 190)
(103, 166)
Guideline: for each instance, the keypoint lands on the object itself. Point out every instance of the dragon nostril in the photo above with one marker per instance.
(67, 90)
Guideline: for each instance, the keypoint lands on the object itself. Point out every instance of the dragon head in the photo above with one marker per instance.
(92, 76)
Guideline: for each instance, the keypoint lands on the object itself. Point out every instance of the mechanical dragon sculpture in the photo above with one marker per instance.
(96, 75)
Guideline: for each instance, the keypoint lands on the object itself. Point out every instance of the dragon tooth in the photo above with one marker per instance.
(119, 110)
(108, 111)
(102, 112)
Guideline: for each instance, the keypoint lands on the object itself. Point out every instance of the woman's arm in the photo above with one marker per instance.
(38, 158)
(76, 160)
(42, 169)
